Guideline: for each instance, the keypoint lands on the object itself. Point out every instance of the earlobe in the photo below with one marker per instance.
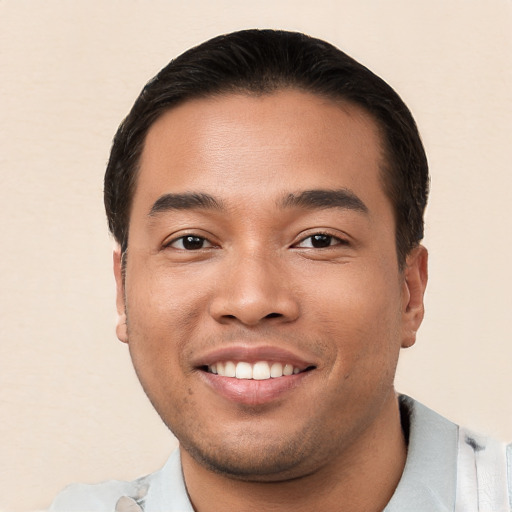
(415, 283)
(121, 327)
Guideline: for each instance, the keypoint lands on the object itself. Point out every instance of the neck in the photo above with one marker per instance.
(362, 479)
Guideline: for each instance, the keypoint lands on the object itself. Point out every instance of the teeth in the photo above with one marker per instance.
(276, 370)
(288, 369)
(230, 369)
(262, 370)
(243, 371)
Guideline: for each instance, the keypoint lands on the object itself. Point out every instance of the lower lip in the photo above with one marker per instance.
(250, 391)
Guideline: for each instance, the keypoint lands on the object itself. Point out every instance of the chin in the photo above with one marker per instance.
(250, 458)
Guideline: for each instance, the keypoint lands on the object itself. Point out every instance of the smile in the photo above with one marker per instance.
(254, 374)
(261, 370)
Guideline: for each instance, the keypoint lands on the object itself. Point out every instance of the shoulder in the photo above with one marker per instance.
(162, 490)
(484, 471)
(102, 497)
(450, 466)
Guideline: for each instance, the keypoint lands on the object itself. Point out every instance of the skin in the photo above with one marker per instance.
(333, 441)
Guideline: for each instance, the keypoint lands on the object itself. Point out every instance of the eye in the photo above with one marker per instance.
(321, 241)
(190, 243)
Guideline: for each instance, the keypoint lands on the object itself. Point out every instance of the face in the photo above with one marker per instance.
(262, 303)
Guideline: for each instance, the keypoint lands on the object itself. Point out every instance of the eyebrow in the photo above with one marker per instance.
(185, 201)
(322, 199)
(310, 199)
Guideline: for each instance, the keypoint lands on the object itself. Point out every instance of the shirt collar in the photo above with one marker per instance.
(167, 491)
(430, 474)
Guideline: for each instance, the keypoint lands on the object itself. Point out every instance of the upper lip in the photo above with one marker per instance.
(253, 354)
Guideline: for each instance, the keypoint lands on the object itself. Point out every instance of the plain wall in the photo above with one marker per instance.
(71, 408)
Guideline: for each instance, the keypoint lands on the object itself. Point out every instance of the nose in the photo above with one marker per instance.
(254, 289)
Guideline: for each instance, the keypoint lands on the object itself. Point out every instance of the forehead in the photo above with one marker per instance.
(243, 144)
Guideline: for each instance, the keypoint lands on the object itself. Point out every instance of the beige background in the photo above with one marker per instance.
(71, 409)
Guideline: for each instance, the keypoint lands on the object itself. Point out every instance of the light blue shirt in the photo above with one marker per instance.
(429, 483)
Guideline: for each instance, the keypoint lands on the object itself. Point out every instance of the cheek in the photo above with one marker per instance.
(357, 291)
(360, 310)
(161, 321)
(163, 312)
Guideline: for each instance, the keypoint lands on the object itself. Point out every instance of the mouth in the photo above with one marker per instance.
(261, 370)
(254, 375)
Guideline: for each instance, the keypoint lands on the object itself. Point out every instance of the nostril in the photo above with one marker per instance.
(273, 315)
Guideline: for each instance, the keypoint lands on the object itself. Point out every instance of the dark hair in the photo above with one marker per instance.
(261, 62)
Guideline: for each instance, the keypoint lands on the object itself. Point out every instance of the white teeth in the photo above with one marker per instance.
(243, 371)
(230, 369)
(262, 370)
(276, 370)
(288, 369)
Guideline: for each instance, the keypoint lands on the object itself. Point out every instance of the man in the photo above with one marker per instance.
(266, 193)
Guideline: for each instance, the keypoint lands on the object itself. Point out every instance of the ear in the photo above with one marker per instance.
(121, 328)
(415, 282)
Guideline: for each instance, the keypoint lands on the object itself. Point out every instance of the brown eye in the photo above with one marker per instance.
(320, 241)
(190, 243)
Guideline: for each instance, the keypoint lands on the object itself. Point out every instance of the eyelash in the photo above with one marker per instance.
(189, 236)
(330, 236)
(201, 240)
